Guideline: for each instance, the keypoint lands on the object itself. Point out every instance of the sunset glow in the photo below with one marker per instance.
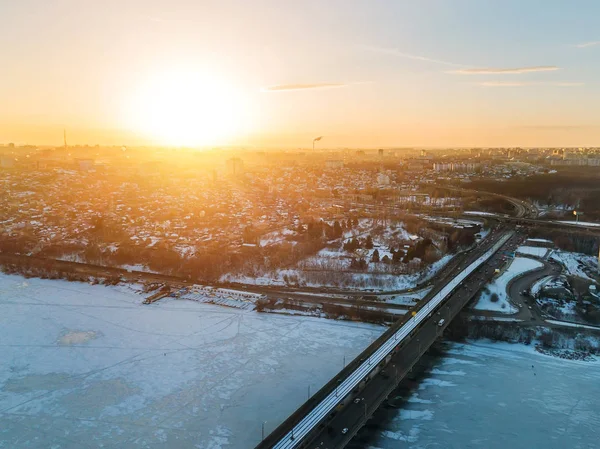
(186, 108)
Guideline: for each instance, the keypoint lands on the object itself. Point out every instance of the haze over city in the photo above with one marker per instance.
(385, 74)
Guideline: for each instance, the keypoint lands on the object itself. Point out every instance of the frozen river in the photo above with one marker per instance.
(86, 366)
(494, 396)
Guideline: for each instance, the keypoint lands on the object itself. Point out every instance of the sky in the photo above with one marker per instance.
(278, 73)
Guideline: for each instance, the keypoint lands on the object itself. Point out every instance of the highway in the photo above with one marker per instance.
(362, 374)
(362, 405)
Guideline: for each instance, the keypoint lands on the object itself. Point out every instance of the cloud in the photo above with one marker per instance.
(395, 52)
(558, 127)
(523, 84)
(588, 44)
(286, 87)
(507, 71)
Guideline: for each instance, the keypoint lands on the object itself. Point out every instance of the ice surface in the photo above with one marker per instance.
(510, 396)
(87, 366)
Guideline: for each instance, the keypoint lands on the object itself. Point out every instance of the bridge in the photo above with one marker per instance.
(337, 411)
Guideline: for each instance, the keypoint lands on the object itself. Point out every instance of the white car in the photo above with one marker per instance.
(345, 430)
(441, 322)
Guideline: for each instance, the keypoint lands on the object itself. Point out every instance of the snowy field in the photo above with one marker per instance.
(518, 266)
(533, 251)
(90, 366)
(576, 264)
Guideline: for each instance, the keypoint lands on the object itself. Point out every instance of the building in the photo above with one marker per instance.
(577, 162)
(85, 164)
(445, 166)
(235, 166)
(383, 179)
(457, 167)
(334, 163)
(7, 161)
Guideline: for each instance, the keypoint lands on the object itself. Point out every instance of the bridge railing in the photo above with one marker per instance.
(284, 428)
(280, 431)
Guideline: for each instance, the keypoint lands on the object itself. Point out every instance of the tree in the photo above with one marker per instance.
(337, 229)
(351, 245)
(362, 264)
(397, 256)
(375, 256)
(315, 230)
(369, 242)
(386, 259)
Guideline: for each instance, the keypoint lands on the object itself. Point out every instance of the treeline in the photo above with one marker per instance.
(50, 272)
(328, 310)
(576, 188)
(462, 328)
(568, 241)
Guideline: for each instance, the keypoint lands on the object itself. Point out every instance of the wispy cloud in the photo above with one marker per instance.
(524, 84)
(588, 44)
(505, 71)
(557, 127)
(287, 87)
(400, 54)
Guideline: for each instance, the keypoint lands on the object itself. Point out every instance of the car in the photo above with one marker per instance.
(529, 307)
(357, 400)
(441, 322)
(345, 430)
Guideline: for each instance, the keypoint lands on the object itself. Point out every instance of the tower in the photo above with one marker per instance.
(65, 137)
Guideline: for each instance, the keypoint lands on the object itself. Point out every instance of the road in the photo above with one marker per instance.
(523, 283)
(340, 429)
(522, 302)
(523, 209)
(313, 415)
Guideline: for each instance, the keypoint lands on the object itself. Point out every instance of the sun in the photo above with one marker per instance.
(187, 108)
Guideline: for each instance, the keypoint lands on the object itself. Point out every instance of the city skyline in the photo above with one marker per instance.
(393, 74)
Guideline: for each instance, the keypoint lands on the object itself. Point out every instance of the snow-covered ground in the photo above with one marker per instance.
(87, 366)
(576, 264)
(579, 223)
(356, 281)
(540, 240)
(137, 267)
(533, 251)
(571, 324)
(476, 212)
(538, 285)
(408, 299)
(518, 266)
